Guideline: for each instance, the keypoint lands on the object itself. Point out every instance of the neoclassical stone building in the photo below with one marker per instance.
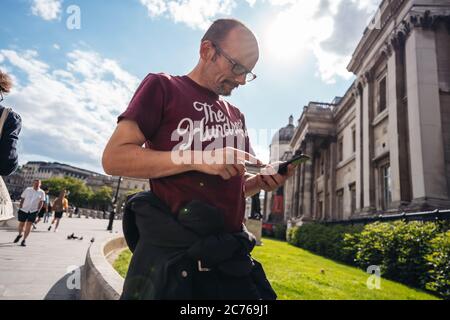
(385, 145)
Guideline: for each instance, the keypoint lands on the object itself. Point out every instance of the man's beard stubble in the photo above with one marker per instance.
(224, 91)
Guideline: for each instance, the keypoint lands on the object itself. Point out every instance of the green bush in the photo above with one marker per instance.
(291, 234)
(415, 253)
(370, 246)
(398, 248)
(438, 260)
(279, 231)
(326, 240)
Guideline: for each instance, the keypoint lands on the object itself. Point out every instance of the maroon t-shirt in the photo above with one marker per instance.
(176, 113)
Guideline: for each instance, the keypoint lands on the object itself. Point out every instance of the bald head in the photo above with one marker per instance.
(224, 31)
(219, 30)
(226, 44)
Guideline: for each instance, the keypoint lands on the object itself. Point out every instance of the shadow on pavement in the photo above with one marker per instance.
(8, 244)
(61, 291)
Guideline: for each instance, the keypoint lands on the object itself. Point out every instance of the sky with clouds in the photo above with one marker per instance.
(72, 83)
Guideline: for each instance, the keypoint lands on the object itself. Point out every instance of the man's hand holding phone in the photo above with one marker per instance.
(274, 175)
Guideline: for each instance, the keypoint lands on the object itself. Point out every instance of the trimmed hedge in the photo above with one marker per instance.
(322, 239)
(415, 253)
(279, 231)
(438, 260)
(399, 248)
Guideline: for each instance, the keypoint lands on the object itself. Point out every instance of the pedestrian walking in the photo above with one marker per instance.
(60, 205)
(32, 200)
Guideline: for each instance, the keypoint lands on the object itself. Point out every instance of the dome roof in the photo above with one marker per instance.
(285, 134)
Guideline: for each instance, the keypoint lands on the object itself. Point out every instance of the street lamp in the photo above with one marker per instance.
(114, 204)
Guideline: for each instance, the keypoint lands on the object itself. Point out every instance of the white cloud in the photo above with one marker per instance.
(47, 9)
(330, 29)
(155, 7)
(56, 46)
(68, 114)
(197, 14)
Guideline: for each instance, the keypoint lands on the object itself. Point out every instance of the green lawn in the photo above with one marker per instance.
(297, 274)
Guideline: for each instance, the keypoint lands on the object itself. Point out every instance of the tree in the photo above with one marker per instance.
(80, 194)
(102, 198)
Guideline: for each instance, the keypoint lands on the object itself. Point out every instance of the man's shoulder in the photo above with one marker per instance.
(160, 77)
(161, 81)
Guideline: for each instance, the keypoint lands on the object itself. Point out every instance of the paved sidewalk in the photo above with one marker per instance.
(40, 270)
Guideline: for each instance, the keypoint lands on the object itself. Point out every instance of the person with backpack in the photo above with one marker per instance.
(196, 151)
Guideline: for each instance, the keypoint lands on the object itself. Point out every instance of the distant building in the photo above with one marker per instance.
(127, 185)
(33, 170)
(46, 170)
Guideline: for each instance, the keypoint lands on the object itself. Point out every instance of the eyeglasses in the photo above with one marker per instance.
(237, 68)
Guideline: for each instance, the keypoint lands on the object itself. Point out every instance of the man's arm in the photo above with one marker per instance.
(251, 187)
(21, 203)
(125, 156)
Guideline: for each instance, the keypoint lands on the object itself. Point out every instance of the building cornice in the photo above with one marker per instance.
(418, 16)
(387, 13)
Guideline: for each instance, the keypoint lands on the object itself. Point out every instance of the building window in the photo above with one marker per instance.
(340, 204)
(353, 139)
(340, 150)
(382, 95)
(386, 185)
(353, 198)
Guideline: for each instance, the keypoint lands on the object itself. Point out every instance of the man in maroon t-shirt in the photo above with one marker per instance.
(196, 143)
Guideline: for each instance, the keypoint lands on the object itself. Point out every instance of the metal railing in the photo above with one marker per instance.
(434, 215)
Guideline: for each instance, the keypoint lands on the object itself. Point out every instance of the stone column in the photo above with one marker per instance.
(359, 147)
(302, 188)
(296, 197)
(368, 170)
(333, 179)
(326, 210)
(398, 123)
(425, 127)
(309, 184)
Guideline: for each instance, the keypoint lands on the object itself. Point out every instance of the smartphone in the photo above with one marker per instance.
(296, 159)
